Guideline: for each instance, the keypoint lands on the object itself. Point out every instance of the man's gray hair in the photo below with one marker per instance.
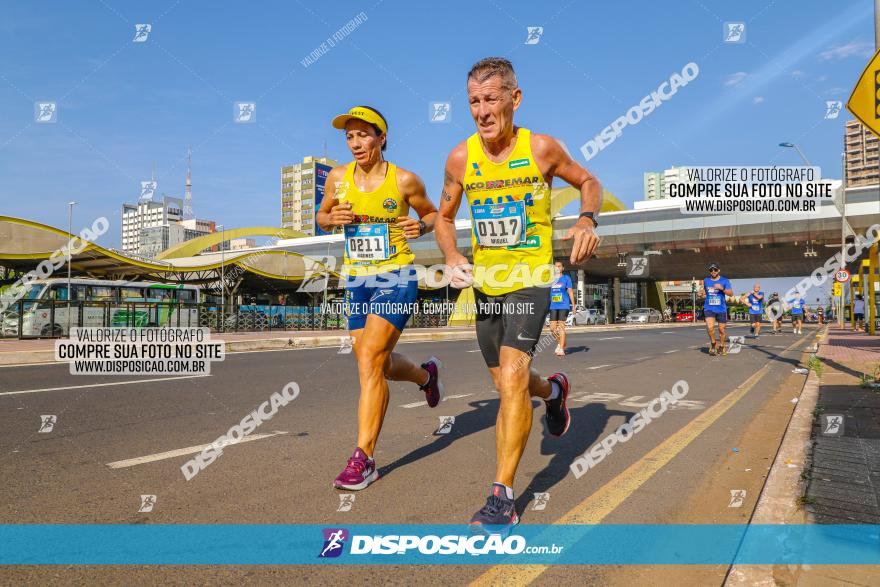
(486, 68)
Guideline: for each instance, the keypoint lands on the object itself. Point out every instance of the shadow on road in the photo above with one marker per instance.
(481, 417)
(587, 423)
(570, 350)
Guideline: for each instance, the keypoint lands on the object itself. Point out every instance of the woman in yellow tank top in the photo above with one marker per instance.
(370, 199)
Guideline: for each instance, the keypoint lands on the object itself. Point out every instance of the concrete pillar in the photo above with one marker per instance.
(870, 297)
(643, 294)
(615, 297)
(581, 288)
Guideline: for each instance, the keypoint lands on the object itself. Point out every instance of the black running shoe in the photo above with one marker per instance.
(433, 388)
(557, 415)
(498, 515)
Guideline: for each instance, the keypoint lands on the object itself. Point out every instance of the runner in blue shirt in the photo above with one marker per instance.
(797, 313)
(755, 301)
(561, 303)
(715, 291)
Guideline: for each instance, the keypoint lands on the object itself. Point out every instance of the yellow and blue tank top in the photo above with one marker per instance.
(373, 242)
(510, 215)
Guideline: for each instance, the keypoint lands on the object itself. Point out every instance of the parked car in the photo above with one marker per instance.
(584, 316)
(9, 323)
(686, 316)
(644, 316)
(621, 317)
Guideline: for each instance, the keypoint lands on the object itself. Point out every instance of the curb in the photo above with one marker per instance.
(334, 340)
(777, 503)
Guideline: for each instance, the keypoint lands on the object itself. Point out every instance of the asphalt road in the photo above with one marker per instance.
(285, 477)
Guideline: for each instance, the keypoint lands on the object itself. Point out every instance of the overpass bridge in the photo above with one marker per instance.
(679, 247)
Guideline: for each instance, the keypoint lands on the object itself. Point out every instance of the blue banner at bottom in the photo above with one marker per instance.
(55, 544)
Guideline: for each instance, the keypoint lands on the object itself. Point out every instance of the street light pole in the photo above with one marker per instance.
(798, 149)
(222, 277)
(843, 233)
(70, 206)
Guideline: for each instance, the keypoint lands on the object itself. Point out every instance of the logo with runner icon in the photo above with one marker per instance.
(832, 424)
(346, 502)
(390, 204)
(541, 501)
(637, 267)
(47, 423)
(334, 542)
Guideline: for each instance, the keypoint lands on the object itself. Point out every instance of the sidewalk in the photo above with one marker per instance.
(844, 476)
(15, 352)
(821, 479)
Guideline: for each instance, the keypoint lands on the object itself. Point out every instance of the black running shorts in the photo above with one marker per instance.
(514, 320)
(559, 315)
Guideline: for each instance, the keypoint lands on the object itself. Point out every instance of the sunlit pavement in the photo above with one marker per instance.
(284, 474)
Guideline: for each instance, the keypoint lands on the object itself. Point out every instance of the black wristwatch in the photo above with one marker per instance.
(591, 216)
(423, 228)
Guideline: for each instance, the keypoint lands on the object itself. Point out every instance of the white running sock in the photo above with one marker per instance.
(555, 390)
(507, 490)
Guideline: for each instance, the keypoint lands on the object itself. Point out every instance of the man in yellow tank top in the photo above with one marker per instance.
(506, 173)
(370, 200)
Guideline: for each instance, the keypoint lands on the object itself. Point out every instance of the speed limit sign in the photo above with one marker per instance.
(841, 276)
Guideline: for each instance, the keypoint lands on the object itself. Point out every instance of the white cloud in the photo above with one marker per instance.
(735, 79)
(853, 48)
(758, 99)
(797, 74)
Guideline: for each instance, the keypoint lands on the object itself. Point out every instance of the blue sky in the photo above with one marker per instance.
(124, 106)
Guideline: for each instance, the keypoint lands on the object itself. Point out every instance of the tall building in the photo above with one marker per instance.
(155, 239)
(147, 214)
(654, 185)
(860, 146)
(657, 182)
(302, 189)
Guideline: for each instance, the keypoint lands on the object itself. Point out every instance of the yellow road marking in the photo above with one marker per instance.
(608, 497)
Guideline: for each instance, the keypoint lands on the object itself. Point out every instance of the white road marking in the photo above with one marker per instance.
(154, 379)
(598, 367)
(667, 332)
(190, 450)
(476, 351)
(424, 403)
(672, 351)
(696, 346)
(41, 364)
(610, 337)
(643, 358)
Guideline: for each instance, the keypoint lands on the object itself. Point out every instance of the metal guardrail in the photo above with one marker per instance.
(53, 318)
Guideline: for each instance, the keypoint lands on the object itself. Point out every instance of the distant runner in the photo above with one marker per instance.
(797, 306)
(371, 198)
(506, 172)
(561, 304)
(859, 312)
(775, 312)
(755, 301)
(715, 291)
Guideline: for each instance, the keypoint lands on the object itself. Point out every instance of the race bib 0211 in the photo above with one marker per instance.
(367, 242)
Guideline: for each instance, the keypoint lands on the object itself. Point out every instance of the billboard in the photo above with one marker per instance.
(321, 172)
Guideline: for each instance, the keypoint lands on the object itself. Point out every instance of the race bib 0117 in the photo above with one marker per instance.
(499, 225)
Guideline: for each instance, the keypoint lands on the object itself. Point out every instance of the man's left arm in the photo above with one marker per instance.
(561, 165)
(571, 295)
(728, 288)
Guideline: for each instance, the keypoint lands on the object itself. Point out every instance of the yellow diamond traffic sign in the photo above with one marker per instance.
(864, 102)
